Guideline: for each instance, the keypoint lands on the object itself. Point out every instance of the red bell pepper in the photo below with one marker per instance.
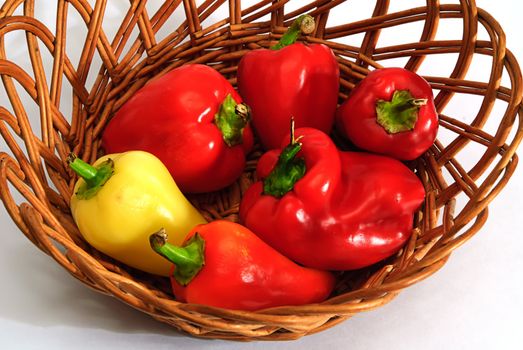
(290, 80)
(223, 264)
(193, 120)
(391, 111)
(351, 209)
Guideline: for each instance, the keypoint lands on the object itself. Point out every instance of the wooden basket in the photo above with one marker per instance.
(467, 167)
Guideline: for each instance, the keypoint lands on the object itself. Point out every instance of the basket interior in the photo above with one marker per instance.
(75, 68)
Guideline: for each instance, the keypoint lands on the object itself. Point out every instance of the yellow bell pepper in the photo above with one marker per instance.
(121, 199)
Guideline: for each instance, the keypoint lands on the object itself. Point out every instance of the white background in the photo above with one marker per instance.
(473, 302)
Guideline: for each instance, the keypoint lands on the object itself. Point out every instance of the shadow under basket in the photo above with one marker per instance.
(58, 103)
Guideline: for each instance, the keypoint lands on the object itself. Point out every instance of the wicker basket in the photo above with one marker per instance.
(467, 167)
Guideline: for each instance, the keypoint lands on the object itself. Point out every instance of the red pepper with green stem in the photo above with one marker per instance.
(193, 120)
(351, 209)
(223, 264)
(290, 79)
(390, 112)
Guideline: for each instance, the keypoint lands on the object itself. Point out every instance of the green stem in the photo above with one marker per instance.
(231, 119)
(94, 177)
(399, 114)
(303, 24)
(188, 259)
(287, 171)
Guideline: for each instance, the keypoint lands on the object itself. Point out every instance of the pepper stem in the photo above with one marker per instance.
(287, 171)
(188, 259)
(399, 114)
(231, 119)
(304, 24)
(94, 177)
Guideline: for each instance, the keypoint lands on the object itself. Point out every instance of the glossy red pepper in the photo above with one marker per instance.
(351, 209)
(193, 120)
(391, 112)
(224, 264)
(290, 80)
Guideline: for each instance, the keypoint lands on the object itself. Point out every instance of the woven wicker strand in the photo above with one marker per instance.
(36, 184)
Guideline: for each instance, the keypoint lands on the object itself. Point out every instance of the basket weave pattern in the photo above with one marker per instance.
(34, 165)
